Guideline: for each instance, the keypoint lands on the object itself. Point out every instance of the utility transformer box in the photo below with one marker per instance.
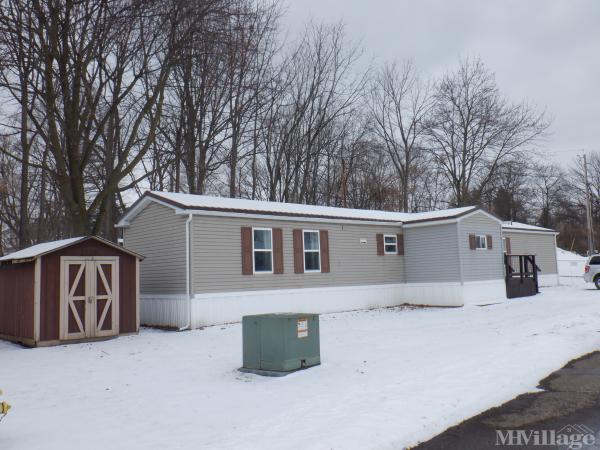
(277, 344)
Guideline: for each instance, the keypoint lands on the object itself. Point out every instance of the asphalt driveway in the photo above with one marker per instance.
(565, 415)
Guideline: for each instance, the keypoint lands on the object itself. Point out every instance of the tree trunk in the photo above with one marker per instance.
(24, 240)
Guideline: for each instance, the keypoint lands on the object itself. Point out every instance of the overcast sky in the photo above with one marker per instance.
(545, 51)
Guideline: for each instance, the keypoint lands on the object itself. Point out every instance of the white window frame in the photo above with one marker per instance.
(318, 251)
(395, 244)
(264, 250)
(477, 247)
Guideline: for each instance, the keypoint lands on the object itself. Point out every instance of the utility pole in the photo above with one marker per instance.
(588, 208)
(344, 185)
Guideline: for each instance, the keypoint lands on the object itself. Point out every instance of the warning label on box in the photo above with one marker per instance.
(302, 326)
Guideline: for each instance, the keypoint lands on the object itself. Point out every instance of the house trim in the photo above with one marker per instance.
(444, 221)
(179, 208)
(528, 231)
(304, 251)
(254, 250)
(37, 292)
(395, 236)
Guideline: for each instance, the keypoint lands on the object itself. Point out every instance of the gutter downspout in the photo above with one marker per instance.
(188, 270)
(460, 262)
(556, 259)
(460, 253)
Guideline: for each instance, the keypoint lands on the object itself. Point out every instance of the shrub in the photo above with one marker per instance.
(4, 407)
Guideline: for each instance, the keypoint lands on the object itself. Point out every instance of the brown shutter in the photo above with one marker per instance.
(298, 252)
(507, 245)
(400, 242)
(488, 238)
(472, 242)
(277, 251)
(247, 251)
(324, 241)
(380, 251)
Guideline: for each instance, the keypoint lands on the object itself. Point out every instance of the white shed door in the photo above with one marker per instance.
(89, 297)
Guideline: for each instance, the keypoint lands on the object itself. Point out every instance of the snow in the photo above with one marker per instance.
(390, 378)
(191, 201)
(441, 214)
(570, 264)
(565, 255)
(40, 249)
(524, 226)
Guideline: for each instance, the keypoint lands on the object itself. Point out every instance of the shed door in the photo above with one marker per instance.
(74, 288)
(105, 297)
(89, 297)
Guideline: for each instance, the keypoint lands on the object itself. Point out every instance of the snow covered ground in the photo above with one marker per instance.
(390, 378)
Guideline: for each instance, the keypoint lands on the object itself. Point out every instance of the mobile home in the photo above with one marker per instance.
(211, 260)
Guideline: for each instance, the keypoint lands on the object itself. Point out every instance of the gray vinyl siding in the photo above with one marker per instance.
(479, 265)
(543, 246)
(431, 253)
(217, 265)
(158, 234)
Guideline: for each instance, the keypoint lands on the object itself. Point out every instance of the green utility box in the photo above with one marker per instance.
(277, 344)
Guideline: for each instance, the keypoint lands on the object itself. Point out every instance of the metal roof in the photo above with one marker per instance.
(48, 247)
(192, 202)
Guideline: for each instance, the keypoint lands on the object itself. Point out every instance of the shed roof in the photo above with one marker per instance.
(48, 247)
(235, 205)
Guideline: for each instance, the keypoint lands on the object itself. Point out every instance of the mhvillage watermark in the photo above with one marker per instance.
(574, 437)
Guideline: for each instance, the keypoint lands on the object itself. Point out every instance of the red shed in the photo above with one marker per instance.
(71, 290)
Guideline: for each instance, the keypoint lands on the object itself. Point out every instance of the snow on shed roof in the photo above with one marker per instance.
(47, 247)
(525, 227)
(210, 203)
(40, 249)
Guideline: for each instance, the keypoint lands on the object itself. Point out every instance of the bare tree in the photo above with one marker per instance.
(105, 98)
(16, 74)
(200, 100)
(474, 129)
(509, 192)
(399, 103)
(313, 87)
(99, 70)
(252, 47)
(573, 209)
(549, 185)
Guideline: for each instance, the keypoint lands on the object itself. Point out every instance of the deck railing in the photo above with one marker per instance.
(521, 272)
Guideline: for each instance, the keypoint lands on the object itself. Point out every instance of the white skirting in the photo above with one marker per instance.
(218, 308)
(484, 292)
(549, 279)
(166, 310)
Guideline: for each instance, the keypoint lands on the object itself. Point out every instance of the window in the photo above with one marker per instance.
(390, 244)
(480, 242)
(262, 249)
(312, 251)
(594, 260)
